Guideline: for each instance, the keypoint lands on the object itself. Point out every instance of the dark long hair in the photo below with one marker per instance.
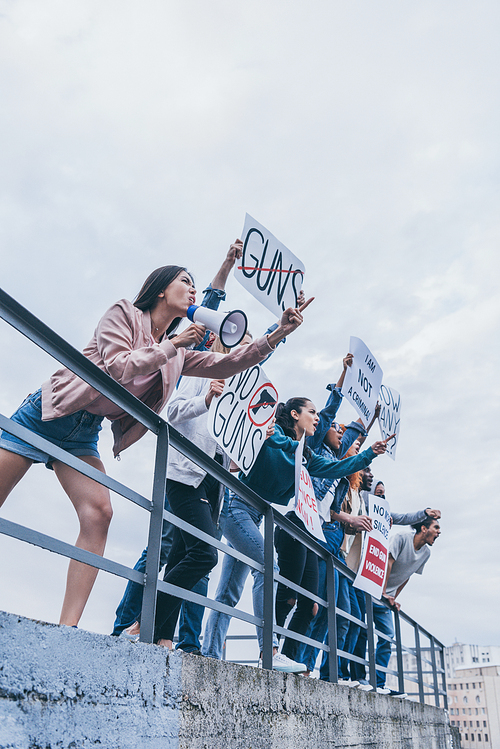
(285, 421)
(155, 283)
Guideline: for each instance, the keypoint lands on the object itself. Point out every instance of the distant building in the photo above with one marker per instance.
(460, 655)
(474, 705)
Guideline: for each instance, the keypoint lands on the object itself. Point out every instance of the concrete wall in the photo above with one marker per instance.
(69, 689)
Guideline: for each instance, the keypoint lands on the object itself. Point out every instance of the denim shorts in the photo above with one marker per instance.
(77, 433)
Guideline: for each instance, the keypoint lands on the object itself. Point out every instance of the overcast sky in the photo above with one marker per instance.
(364, 135)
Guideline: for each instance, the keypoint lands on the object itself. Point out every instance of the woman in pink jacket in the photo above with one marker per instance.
(131, 343)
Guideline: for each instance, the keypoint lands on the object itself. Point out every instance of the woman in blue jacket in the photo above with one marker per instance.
(273, 477)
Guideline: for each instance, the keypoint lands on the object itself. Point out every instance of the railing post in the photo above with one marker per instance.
(418, 655)
(443, 677)
(371, 641)
(399, 651)
(154, 537)
(331, 597)
(434, 672)
(267, 647)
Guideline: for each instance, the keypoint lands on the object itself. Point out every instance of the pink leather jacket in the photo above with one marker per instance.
(121, 346)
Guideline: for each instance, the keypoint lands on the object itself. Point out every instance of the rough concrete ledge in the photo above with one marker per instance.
(62, 688)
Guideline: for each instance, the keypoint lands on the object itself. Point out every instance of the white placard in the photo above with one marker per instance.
(390, 417)
(363, 380)
(239, 417)
(375, 552)
(305, 499)
(268, 270)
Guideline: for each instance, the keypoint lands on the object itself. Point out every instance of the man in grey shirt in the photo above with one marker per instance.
(408, 554)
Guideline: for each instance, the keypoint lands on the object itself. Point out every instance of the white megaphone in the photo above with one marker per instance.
(229, 326)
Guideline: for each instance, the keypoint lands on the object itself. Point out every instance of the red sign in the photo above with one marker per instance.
(375, 562)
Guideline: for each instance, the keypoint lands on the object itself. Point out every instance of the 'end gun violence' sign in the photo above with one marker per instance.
(268, 270)
(239, 417)
(375, 552)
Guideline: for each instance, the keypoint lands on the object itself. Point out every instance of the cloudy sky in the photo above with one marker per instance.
(364, 135)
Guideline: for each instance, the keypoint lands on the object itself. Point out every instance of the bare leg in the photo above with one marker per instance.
(12, 469)
(93, 507)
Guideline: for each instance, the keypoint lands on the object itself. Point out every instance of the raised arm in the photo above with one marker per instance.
(234, 253)
(376, 414)
(328, 413)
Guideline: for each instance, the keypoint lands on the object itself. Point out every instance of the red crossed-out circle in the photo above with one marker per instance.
(254, 400)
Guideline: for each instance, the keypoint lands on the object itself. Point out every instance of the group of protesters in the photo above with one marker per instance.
(138, 345)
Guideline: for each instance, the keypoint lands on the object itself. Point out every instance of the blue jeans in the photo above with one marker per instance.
(351, 636)
(318, 628)
(129, 608)
(382, 619)
(77, 433)
(240, 526)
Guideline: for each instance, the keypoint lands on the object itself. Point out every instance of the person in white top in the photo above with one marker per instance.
(408, 555)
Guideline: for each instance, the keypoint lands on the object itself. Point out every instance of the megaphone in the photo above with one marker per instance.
(229, 326)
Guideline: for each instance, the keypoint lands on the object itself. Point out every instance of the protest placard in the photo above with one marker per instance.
(268, 270)
(389, 417)
(363, 380)
(305, 499)
(375, 551)
(239, 417)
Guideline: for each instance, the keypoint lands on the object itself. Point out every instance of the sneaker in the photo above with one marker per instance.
(348, 683)
(398, 695)
(383, 690)
(286, 665)
(365, 685)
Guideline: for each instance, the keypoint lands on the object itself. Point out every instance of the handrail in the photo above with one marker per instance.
(40, 334)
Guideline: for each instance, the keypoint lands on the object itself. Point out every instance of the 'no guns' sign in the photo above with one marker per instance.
(238, 419)
(268, 270)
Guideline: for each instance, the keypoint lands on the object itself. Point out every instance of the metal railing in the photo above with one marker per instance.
(40, 334)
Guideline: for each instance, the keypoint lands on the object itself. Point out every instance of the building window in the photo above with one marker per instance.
(486, 737)
(466, 736)
(461, 686)
(477, 723)
(452, 722)
(472, 737)
(479, 737)
(478, 699)
(465, 699)
(463, 711)
(484, 723)
(483, 710)
(470, 711)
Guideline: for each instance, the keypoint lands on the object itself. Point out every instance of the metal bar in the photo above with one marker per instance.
(267, 645)
(34, 329)
(331, 594)
(73, 462)
(298, 589)
(14, 530)
(443, 676)
(194, 531)
(371, 644)
(300, 638)
(434, 673)
(154, 538)
(188, 595)
(419, 665)
(399, 652)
